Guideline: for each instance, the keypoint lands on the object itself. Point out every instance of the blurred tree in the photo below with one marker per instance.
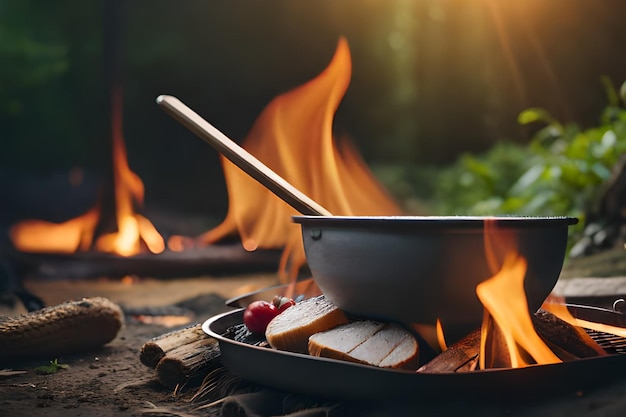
(50, 74)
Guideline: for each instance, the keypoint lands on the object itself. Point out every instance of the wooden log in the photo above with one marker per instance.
(157, 348)
(496, 353)
(188, 364)
(567, 341)
(459, 356)
(219, 260)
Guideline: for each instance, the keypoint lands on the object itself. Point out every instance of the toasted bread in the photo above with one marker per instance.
(291, 329)
(367, 342)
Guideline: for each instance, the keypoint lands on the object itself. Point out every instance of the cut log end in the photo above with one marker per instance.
(182, 357)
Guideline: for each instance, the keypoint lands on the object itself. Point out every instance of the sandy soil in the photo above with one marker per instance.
(111, 381)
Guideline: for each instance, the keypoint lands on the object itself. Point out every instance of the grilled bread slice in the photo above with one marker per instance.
(368, 342)
(290, 330)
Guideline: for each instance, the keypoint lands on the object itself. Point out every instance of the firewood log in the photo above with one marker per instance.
(188, 364)
(566, 340)
(496, 351)
(156, 348)
(458, 356)
(182, 356)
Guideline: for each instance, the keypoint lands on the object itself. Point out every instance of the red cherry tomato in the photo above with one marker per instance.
(258, 314)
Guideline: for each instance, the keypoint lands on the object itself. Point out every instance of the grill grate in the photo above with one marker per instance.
(613, 344)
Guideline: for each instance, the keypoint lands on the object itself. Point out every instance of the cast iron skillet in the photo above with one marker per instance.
(341, 380)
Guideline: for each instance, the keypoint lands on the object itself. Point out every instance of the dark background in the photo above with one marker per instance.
(431, 79)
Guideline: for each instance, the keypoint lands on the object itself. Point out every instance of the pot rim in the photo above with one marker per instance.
(434, 221)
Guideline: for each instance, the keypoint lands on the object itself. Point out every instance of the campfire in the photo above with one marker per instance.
(135, 233)
(293, 135)
(513, 337)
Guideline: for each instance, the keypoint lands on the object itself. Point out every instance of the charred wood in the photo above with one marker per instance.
(218, 260)
(496, 353)
(567, 341)
(461, 356)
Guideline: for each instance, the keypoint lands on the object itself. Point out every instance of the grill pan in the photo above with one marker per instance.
(341, 380)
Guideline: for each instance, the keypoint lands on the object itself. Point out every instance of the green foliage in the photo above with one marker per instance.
(52, 368)
(560, 172)
(31, 58)
(51, 85)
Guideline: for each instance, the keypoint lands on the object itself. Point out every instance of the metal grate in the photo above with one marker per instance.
(613, 344)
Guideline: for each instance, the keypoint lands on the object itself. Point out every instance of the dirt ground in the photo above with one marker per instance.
(112, 381)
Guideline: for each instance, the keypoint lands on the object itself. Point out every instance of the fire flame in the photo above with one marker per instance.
(77, 234)
(68, 237)
(505, 301)
(506, 308)
(559, 309)
(293, 136)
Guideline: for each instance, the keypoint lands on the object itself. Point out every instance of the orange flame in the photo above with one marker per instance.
(78, 233)
(559, 309)
(132, 228)
(68, 237)
(441, 338)
(293, 136)
(504, 299)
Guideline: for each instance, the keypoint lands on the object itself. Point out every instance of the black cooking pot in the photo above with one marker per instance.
(420, 269)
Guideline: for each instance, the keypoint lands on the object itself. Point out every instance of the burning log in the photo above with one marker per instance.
(495, 351)
(564, 339)
(219, 259)
(459, 357)
(181, 357)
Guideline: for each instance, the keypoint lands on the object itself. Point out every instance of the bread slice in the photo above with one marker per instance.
(291, 329)
(380, 344)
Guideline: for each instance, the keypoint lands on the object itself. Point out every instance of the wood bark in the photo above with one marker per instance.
(563, 337)
(462, 355)
(181, 357)
(156, 348)
(190, 363)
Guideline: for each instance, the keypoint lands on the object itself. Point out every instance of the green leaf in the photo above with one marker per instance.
(52, 368)
(527, 179)
(534, 114)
